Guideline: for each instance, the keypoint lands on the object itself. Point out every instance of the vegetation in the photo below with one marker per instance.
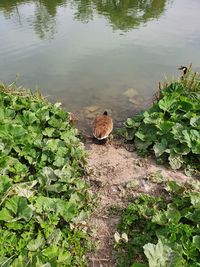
(171, 127)
(164, 231)
(43, 201)
(161, 231)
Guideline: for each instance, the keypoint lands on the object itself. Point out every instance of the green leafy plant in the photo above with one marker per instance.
(44, 203)
(161, 231)
(171, 127)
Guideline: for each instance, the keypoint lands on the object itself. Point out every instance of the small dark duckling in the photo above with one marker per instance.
(102, 126)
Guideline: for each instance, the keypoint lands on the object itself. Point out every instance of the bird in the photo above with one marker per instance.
(102, 126)
(184, 69)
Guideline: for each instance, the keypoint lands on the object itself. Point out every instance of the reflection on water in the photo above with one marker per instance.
(88, 53)
(123, 15)
(44, 21)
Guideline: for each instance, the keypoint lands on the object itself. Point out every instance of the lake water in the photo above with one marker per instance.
(109, 54)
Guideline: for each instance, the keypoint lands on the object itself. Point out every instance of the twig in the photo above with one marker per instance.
(94, 259)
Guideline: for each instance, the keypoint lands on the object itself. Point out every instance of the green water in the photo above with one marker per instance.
(90, 52)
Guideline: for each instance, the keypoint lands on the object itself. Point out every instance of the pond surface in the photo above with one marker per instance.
(99, 53)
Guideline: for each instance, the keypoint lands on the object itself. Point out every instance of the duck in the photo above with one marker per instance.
(184, 69)
(102, 126)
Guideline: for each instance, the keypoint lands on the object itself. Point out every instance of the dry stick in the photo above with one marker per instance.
(94, 259)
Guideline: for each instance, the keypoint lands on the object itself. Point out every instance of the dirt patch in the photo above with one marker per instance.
(116, 173)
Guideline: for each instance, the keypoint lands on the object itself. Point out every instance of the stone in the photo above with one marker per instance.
(130, 93)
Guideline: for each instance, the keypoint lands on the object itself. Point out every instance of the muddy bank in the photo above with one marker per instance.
(115, 173)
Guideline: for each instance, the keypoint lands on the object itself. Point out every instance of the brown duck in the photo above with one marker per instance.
(102, 126)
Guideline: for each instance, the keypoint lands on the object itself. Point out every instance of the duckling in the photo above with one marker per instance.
(184, 69)
(102, 126)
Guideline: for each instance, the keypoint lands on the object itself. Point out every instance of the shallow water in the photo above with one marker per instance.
(90, 52)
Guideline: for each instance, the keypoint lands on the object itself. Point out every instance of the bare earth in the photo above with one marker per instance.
(115, 172)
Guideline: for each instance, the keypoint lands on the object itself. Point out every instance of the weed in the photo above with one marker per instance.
(161, 232)
(171, 127)
(44, 203)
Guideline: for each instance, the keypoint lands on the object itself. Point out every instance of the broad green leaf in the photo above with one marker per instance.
(177, 131)
(165, 126)
(175, 161)
(5, 131)
(160, 147)
(195, 199)
(69, 211)
(133, 123)
(54, 237)
(174, 187)
(196, 148)
(140, 135)
(5, 215)
(49, 173)
(17, 131)
(194, 216)
(57, 123)
(37, 243)
(54, 144)
(142, 146)
(167, 103)
(14, 225)
(44, 204)
(172, 214)
(161, 255)
(59, 161)
(5, 183)
(187, 138)
(51, 252)
(28, 117)
(196, 241)
(19, 206)
(24, 211)
(181, 149)
(64, 257)
(153, 118)
(159, 218)
(185, 104)
(49, 131)
(195, 122)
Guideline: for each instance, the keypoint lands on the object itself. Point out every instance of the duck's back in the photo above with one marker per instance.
(102, 126)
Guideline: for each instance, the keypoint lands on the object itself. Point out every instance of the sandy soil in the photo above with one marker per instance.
(116, 172)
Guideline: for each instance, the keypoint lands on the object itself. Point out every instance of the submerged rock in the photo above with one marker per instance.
(131, 93)
(91, 111)
(92, 108)
(134, 101)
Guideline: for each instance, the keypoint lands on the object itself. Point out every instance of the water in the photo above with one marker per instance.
(90, 52)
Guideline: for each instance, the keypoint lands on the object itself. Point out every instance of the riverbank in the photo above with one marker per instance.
(118, 175)
(121, 177)
(59, 196)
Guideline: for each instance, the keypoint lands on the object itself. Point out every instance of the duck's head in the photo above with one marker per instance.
(105, 113)
(184, 69)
